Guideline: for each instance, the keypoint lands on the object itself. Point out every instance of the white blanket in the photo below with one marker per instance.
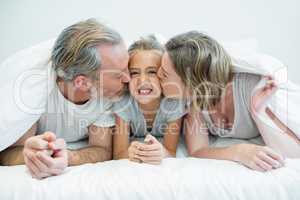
(25, 85)
(181, 178)
(284, 103)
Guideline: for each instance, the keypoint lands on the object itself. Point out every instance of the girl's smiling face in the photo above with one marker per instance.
(143, 67)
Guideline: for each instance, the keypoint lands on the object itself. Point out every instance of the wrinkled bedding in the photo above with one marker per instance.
(175, 178)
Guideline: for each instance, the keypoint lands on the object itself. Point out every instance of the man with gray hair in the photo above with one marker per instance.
(89, 62)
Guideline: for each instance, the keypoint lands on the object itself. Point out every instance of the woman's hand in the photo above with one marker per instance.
(260, 158)
(263, 94)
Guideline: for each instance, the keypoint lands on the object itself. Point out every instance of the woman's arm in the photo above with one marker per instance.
(121, 139)
(253, 156)
(197, 140)
(171, 138)
(275, 134)
(284, 128)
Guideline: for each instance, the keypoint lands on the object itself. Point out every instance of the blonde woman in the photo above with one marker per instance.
(223, 122)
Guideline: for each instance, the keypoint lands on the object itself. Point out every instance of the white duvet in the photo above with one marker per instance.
(180, 178)
(176, 178)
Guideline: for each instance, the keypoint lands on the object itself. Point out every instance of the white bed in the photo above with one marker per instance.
(175, 178)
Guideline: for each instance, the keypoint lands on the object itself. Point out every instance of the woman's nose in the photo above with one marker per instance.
(159, 74)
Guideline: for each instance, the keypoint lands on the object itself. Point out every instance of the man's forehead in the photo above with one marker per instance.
(113, 56)
(118, 51)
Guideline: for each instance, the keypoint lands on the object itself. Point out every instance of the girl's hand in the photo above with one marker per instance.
(151, 152)
(260, 158)
(132, 151)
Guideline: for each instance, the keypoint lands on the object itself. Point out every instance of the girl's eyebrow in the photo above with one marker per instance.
(134, 68)
(151, 67)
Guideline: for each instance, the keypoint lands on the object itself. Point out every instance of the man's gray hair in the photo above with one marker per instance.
(75, 50)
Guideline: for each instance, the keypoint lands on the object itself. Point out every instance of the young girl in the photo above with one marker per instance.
(145, 113)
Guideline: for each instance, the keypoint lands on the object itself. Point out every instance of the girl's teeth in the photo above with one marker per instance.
(144, 92)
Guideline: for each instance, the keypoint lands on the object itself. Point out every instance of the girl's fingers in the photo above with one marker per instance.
(149, 147)
(147, 139)
(135, 160)
(135, 144)
(150, 139)
(148, 153)
(131, 155)
(149, 159)
(154, 163)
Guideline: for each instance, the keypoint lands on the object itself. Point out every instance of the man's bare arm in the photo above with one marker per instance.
(13, 155)
(99, 149)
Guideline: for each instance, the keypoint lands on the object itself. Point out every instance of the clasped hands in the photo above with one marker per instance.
(150, 151)
(45, 155)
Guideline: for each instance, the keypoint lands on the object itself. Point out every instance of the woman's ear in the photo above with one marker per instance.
(82, 83)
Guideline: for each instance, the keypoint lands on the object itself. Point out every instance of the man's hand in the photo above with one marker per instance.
(45, 156)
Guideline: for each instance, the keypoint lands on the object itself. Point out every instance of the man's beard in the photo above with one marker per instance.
(94, 93)
(112, 97)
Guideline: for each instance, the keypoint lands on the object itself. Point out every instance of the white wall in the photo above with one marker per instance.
(275, 24)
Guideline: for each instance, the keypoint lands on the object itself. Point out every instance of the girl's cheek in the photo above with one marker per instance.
(132, 86)
(156, 84)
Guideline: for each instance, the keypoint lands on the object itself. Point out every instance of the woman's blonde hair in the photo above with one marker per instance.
(203, 65)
